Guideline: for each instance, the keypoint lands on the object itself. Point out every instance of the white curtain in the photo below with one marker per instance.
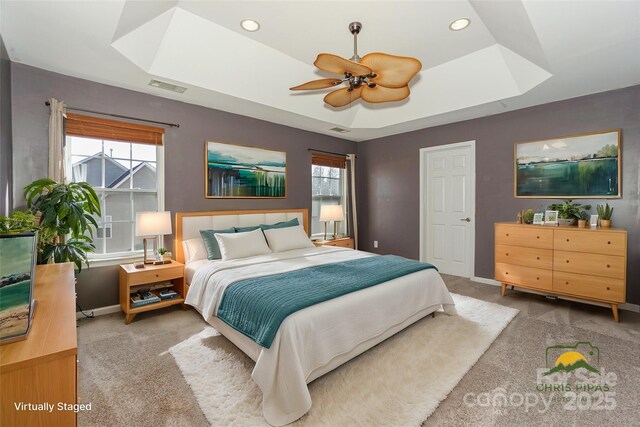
(351, 158)
(56, 140)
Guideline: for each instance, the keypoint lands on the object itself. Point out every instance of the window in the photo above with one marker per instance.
(126, 175)
(104, 232)
(328, 187)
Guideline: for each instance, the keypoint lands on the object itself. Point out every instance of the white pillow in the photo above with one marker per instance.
(288, 238)
(242, 245)
(194, 250)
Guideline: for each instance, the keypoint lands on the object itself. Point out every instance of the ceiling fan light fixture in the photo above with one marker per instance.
(250, 25)
(459, 24)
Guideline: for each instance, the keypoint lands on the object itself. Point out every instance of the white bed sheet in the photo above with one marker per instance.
(317, 339)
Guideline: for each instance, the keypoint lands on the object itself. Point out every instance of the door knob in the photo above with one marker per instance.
(466, 219)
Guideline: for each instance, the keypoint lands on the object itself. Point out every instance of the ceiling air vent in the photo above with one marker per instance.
(340, 130)
(167, 86)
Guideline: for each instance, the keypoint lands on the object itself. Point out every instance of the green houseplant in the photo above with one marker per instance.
(569, 212)
(604, 214)
(66, 215)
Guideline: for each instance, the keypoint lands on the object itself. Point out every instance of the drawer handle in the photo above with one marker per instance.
(537, 237)
(157, 275)
(608, 266)
(506, 273)
(608, 243)
(566, 283)
(537, 257)
(567, 261)
(608, 288)
(507, 253)
(537, 278)
(567, 240)
(507, 234)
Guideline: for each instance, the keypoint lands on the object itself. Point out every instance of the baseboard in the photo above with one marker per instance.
(630, 307)
(100, 311)
(626, 306)
(485, 281)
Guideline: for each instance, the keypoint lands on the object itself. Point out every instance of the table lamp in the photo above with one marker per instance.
(149, 225)
(331, 213)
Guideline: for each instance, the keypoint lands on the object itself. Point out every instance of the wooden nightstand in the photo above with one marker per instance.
(345, 242)
(137, 278)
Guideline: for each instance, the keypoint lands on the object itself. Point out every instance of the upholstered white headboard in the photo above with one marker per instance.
(189, 224)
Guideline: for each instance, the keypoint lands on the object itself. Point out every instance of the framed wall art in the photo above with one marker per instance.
(580, 166)
(236, 171)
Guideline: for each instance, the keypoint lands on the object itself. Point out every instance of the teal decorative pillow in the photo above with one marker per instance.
(291, 223)
(210, 242)
(245, 229)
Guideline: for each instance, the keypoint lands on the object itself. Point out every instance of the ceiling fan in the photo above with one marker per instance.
(376, 77)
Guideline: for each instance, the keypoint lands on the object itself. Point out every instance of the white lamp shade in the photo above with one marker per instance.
(153, 223)
(331, 213)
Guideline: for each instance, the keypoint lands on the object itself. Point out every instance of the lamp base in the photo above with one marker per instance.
(147, 259)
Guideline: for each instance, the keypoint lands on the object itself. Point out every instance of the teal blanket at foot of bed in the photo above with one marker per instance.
(256, 307)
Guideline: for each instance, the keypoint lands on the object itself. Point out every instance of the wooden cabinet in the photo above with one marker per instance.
(585, 263)
(150, 274)
(42, 368)
(345, 242)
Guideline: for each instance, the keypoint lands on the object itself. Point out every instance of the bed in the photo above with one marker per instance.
(316, 339)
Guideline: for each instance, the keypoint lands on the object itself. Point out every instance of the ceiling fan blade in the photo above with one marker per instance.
(391, 70)
(335, 64)
(378, 94)
(317, 84)
(342, 97)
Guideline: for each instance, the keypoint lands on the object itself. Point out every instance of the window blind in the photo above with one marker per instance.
(328, 160)
(95, 127)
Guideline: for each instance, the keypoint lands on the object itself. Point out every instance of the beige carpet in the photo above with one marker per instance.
(399, 382)
(127, 374)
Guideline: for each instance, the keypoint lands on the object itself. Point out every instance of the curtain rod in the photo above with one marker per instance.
(173, 125)
(326, 152)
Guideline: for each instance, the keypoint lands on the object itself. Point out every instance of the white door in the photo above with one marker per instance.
(447, 207)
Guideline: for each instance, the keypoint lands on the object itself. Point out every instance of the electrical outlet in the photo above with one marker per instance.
(375, 243)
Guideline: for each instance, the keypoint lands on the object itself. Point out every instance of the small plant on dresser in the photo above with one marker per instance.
(604, 213)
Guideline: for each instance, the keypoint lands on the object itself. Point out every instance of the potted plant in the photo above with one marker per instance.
(568, 212)
(527, 216)
(604, 213)
(166, 256)
(66, 215)
(582, 222)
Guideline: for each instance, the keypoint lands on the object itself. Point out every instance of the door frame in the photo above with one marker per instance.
(424, 200)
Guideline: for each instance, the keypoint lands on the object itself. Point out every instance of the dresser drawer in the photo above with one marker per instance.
(530, 277)
(155, 275)
(529, 257)
(530, 237)
(591, 241)
(589, 264)
(602, 288)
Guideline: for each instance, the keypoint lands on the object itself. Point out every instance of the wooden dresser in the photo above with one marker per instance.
(345, 242)
(585, 263)
(42, 368)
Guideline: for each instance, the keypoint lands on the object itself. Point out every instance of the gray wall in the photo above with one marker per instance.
(184, 150)
(388, 173)
(6, 185)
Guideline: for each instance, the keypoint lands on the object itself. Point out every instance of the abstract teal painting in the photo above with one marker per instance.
(17, 252)
(580, 166)
(244, 172)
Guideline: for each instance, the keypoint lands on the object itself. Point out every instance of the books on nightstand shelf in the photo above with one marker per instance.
(143, 297)
(168, 294)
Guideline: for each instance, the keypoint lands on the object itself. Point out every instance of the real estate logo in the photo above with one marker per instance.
(571, 380)
(564, 358)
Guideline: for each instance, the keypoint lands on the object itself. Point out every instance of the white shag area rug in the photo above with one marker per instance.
(401, 381)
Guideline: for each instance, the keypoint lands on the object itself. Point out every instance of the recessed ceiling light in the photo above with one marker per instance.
(250, 25)
(459, 24)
